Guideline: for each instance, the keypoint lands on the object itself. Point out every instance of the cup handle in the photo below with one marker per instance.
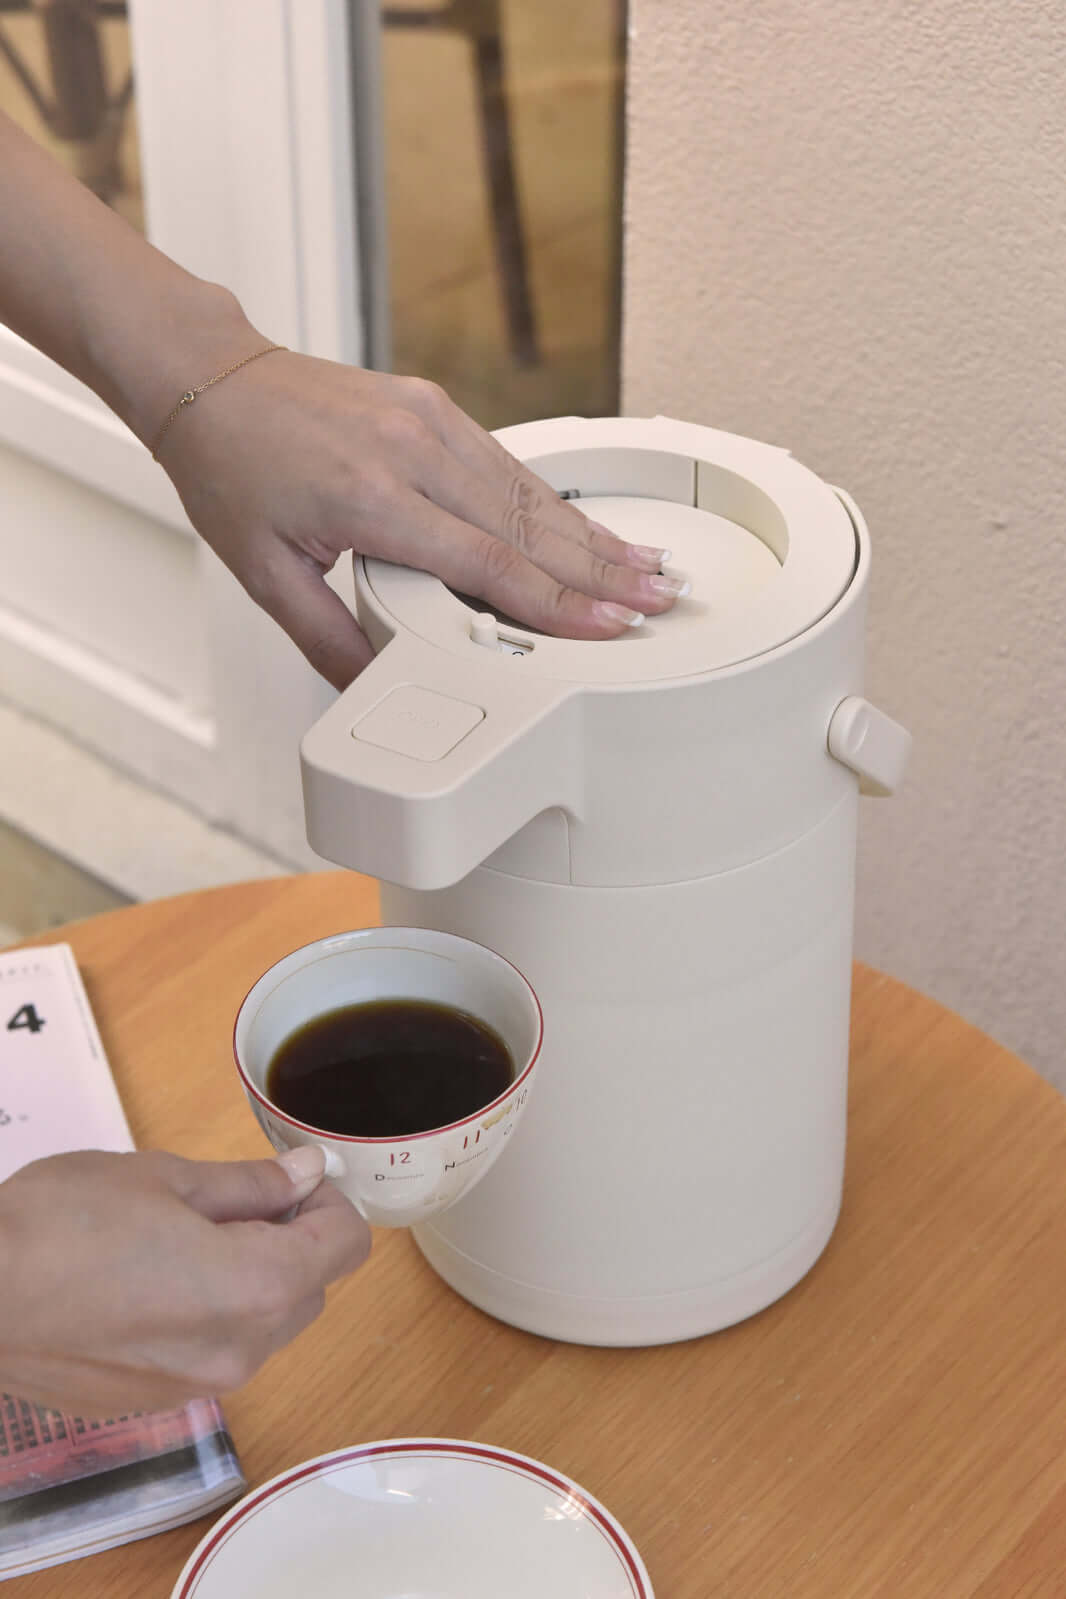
(335, 1167)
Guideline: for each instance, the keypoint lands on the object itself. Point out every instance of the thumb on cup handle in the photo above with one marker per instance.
(336, 1169)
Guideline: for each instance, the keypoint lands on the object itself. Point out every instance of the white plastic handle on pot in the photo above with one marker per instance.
(429, 762)
(871, 744)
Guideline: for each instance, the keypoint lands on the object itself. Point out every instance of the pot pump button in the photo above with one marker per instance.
(416, 722)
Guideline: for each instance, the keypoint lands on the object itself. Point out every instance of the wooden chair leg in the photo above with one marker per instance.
(508, 235)
(613, 399)
(78, 111)
(480, 22)
(77, 66)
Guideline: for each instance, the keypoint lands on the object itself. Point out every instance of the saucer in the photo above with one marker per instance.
(417, 1518)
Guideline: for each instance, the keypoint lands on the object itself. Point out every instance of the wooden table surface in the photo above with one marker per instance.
(894, 1428)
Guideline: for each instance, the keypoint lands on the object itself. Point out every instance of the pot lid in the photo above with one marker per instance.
(768, 547)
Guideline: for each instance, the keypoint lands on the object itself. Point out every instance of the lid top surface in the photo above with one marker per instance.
(766, 545)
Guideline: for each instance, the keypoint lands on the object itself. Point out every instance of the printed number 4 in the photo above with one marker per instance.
(26, 1017)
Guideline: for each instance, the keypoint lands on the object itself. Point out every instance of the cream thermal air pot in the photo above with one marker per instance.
(659, 831)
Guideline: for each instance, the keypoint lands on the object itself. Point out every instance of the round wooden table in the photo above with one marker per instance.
(894, 1428)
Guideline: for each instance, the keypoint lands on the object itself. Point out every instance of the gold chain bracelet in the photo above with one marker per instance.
(190, 394)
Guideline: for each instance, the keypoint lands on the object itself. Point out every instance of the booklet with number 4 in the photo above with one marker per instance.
(70, 1486)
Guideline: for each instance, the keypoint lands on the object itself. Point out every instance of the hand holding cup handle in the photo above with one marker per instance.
(376, 1193)
(400, 1185)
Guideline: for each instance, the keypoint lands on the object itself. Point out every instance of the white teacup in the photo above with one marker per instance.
(393, 1182)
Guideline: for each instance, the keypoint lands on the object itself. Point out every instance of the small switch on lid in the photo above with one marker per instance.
(484, 631)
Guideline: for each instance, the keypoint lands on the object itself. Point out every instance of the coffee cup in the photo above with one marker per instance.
(393, 1181)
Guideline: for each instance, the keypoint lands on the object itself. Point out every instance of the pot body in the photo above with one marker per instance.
(660, 834)
(682, 1164)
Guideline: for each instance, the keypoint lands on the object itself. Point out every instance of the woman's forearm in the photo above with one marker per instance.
(83, 286)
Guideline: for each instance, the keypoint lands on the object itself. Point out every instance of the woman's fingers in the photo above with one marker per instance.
(291, 587)
(419, 533)
(510, 490)
(309, 459)
(498, 537)
(532, 526)
(243, 1190)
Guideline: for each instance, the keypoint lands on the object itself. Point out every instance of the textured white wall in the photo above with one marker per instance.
(847, 234)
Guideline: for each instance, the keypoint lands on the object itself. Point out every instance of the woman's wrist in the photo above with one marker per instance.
(88, 290)
(178, 339)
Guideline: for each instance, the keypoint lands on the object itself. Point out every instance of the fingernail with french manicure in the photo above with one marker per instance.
(668, 588)
(650, 559)
(617, 615)
(304, 1167)
(642, 555)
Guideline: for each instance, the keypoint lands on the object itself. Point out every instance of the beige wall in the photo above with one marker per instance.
(847, 234)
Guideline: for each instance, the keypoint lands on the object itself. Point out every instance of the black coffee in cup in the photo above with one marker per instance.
(389, 1068)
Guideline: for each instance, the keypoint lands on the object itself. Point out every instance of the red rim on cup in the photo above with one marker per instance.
(352, 1138)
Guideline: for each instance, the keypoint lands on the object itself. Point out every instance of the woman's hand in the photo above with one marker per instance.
(141, 1281)
(292, 461)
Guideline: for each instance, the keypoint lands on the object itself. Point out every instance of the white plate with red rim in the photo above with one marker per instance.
(417, 1518)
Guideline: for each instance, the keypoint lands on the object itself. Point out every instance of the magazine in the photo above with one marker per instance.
(71, 1486)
